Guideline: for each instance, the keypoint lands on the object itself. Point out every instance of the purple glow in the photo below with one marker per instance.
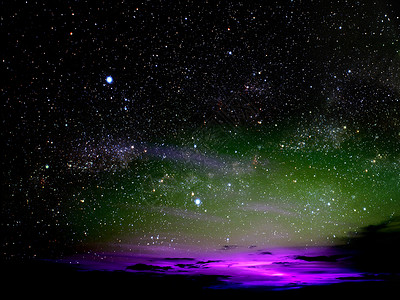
(282, 268)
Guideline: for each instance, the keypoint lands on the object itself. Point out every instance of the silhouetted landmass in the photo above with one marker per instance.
(265, 253)
(179, 258)
(144, 267)
(331, 258)
(208, 262)
(188, 266)
(40, 278)
(377, 247)
(229, 247)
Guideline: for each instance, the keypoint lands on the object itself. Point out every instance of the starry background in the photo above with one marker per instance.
(221, 123)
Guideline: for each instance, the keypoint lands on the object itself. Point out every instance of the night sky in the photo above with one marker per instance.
(196, 124)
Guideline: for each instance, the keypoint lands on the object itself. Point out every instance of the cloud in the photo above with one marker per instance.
(267, 208)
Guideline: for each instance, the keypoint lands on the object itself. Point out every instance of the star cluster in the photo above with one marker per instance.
(197, 123)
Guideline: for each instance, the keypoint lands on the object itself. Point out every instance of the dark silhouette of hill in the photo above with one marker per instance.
(377, 247)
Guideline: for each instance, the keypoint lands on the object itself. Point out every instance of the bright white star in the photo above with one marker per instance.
(109, 80)
(197, 201)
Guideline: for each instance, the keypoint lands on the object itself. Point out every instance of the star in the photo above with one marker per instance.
(109, 79)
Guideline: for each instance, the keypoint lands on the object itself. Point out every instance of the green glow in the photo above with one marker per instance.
(299, 187)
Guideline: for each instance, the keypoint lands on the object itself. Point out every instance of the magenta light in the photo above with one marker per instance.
(282, 268)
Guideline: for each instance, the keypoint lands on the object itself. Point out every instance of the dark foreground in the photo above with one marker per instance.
(48, 279)
(278, 272)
